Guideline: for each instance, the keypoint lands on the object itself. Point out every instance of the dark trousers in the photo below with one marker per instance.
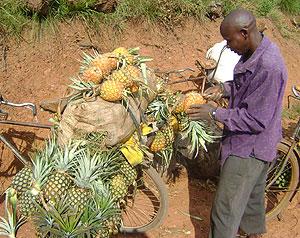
(239, 200)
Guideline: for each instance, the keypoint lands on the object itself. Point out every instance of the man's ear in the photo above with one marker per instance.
(244, 33)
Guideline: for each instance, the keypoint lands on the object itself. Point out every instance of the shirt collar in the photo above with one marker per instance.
(252, 62)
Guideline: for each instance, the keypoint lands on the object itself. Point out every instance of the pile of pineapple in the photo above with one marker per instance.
(74, 191)
(79, 189)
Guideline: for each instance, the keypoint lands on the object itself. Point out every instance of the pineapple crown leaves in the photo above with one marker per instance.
(166, 155)
(80, 85)
(42, 167)
(58, 222)
(198, 134)
(87, 59)
(159, 109)
(87, 169)
(92, 220)
(105, 206)
(10, 226)
(109, 163)
(65, 160)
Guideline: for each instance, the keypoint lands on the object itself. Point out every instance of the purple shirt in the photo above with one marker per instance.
(252, 121)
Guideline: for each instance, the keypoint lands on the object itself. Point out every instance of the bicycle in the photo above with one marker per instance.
(143, 211)
(283, 175)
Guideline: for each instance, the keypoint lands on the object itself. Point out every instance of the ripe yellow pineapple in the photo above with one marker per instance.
(127, 75)
(132, 71)
(193, 98)
(92, 74)
(106, 63)
(180, 105)
(122, 77)
(112, 90)
(123, 54)
(172, 121)
(159, 142)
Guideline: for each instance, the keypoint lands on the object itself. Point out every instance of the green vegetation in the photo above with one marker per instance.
(291, 113)
(15, 15)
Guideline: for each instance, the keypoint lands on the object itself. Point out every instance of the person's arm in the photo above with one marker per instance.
(257, 109)
(227, 89)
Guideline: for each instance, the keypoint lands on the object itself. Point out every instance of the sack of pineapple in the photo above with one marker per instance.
(111, 94)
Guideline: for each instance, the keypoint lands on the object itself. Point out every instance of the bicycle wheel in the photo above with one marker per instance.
(279, 193)
(147, 207)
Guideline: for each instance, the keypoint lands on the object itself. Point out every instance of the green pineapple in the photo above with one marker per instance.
(118, 186)
(22, 181)
(60, 180)
(129, 172)
(41, 169)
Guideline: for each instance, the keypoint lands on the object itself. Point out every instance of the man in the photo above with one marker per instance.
(252, 126)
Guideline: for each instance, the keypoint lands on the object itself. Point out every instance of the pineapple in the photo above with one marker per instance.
(124, 55)
(159, 143)
(173, 121)
(105, 204)
(92, 74)
(129, 172)
(193, 98)
(22, 181)
(86, 172)
(168, 134)
(133, 72)
(118, 186)
(122, 77)
(179, 107)
(59, 181)
(126, 75)
(112, 91)
(40, 172)
(186, 101)
(163, 138)
(105, 63)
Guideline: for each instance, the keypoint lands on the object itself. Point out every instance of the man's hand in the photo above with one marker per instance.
(214, 93)
(201, 112)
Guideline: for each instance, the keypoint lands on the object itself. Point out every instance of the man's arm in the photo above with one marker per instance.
(257, 109)
(227, 89)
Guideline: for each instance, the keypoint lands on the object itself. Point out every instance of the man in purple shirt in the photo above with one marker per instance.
(252, 126)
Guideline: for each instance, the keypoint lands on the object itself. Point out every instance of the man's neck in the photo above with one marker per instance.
(255, 42)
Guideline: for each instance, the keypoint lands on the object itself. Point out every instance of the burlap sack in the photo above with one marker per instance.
(81, 117)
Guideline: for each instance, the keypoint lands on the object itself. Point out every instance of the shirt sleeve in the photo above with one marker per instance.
(257, 109)
(227, 87)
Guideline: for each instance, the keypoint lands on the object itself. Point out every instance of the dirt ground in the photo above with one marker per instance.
(37, 70)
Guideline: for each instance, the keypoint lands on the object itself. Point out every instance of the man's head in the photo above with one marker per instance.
(240, 31)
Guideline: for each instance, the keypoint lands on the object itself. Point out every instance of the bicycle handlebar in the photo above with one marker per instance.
(29, 105)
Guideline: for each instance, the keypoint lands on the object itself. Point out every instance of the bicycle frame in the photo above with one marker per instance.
(31, 106)
(292, 149)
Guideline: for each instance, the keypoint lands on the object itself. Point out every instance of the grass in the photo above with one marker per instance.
(292, 113)
(15, 15)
